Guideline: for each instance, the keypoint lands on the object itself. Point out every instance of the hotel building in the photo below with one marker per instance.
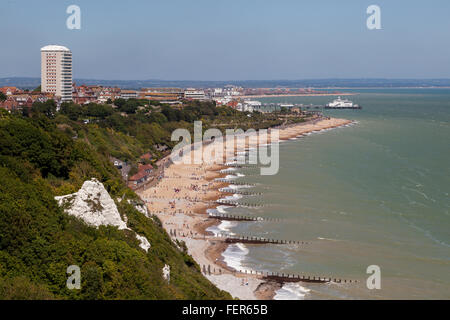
(194, 94)
(56, 71)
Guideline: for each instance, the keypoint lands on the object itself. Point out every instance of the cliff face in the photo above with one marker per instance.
(93, 204)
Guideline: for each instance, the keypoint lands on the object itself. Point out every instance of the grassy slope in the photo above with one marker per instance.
(38, 241)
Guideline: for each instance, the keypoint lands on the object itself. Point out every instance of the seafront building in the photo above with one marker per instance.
(128, 94)
(56, 71)
(194, 94)
(162, 94)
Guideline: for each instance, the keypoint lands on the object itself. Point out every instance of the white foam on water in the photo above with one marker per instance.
(326, 129)
(234, 176)
(328, 239)
(233, 197)
(234, 255)
(291, 291)
(223, 209)
(240, 186)
(223, 228)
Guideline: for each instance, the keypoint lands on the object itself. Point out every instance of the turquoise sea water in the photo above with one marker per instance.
(375, 193)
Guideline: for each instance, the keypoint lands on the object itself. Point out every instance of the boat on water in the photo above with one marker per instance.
(342, 104)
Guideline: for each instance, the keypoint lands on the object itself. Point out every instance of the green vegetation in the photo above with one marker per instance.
(48, 153)
(40, 159)
(3, 97)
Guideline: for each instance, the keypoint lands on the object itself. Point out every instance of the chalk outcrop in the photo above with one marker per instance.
(142, 208)
(166, 272)
(93, 204)
(144, 242)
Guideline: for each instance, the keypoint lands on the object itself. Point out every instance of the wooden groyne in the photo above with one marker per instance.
(259, 240)
(231, 217)
(282, 278)
(285, 277)
(244, 193)
(241, 204)
(232, 181)
(239, 165)
(279, 277)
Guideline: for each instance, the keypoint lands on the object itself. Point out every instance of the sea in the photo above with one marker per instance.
(369, 196)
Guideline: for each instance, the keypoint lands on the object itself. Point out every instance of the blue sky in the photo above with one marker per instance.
(230, 40)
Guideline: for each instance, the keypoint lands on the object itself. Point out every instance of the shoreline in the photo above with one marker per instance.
(181, 200)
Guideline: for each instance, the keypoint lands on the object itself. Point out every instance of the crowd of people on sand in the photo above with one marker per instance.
(176, 199)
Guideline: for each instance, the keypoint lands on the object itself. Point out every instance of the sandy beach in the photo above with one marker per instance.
(181, 199)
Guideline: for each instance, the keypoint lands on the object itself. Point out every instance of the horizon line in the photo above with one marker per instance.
(230, 80)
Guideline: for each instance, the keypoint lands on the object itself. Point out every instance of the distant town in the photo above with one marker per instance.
(236, 97)
(57, 84)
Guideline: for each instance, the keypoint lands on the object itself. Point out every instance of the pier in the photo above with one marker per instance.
(278, 106)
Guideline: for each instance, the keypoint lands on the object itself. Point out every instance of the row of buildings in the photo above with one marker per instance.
(17, 99)
(57, 83)
(56, 78)
(84, 94)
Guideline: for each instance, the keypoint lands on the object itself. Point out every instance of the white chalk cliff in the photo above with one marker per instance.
(93, 204)
(144, 242)
(142, 208)
(166, 272)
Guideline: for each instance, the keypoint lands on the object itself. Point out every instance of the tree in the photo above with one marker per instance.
(157, 117)
(71, 110)
(130, 106)
(48, 107)
(3, 97)
(99, 110)
(37, 89)
(171, 113)
(120, 102)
